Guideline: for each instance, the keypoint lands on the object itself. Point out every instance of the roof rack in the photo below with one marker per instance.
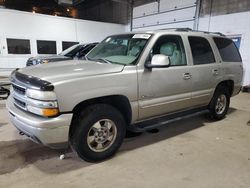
(187, 29)
(208, 32)
(183, 29)
(178, 29)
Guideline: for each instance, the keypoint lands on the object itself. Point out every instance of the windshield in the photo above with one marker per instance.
(71, 52)
(120, 49)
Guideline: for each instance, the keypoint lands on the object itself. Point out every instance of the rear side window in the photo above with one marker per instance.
(201, 51)
(228, 50)
(18, 46)
(46, 47)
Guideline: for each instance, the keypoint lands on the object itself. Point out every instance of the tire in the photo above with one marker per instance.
(99, 132)
(219, 104)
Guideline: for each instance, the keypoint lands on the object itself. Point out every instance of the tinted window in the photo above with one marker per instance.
(46, 47)
(66, 45)
(171, 46)
(201, 51)
(71, 51)
(86, 49)
(18, 46)
(227, 49)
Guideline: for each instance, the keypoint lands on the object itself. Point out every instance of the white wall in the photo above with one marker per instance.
(157, 16)
(147, 9)
(24, 25)
(165, 14)
(232, 24)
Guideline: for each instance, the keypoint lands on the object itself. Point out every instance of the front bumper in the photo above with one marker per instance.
(52, 132)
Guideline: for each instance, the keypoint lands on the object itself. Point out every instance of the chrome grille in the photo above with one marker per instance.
(19, 89)
(18, 95)
(29, 63)
(20, 103)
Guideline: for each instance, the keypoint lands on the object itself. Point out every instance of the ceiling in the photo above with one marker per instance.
(115, 11)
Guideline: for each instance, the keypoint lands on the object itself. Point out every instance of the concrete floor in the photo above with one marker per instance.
(188, 153)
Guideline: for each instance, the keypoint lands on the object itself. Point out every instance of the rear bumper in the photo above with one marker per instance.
(52, 132)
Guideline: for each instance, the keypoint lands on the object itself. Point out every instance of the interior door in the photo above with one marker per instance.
(165, 90)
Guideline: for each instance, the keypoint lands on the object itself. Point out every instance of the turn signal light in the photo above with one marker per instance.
(48, 112)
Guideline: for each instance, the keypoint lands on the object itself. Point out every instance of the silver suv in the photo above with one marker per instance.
(129, 82)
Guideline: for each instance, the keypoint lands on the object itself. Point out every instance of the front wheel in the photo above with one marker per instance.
(219, 104)
(100, 130)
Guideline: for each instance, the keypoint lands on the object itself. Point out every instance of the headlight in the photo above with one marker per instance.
(47, 112)
(42, 103)
(40, 61)
(41, 95)
(34, 62)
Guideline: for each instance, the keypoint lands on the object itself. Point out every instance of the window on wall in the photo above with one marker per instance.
(201, 51)
(46, 47)
(68, 44)
(18, 46)
(228, 50)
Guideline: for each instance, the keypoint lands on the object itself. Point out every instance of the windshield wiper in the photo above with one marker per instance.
(99, 59)
(104, 60)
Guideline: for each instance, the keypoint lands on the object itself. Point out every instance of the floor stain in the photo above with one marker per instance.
(18, 154)
(2, 124)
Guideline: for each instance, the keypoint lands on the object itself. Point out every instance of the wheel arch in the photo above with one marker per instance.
(120, 102)
(226, 83)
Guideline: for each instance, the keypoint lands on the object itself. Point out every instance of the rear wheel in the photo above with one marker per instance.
(99, 132)
(219, 104)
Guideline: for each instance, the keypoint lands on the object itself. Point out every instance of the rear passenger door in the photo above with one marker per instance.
(205, 70)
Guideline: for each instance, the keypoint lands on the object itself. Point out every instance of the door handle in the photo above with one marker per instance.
(215, 72)
(187, 76)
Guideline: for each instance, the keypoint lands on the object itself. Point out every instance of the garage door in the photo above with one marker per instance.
(164, 14)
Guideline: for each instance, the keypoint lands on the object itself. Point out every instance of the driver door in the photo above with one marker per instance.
(165, 90)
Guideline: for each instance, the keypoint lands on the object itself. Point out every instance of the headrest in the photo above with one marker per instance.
(134, 51)
(168, 48)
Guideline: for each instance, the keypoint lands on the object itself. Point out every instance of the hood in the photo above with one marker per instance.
(63, 70)
(51, 58)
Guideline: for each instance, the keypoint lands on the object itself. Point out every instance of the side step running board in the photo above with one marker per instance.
(162, 121)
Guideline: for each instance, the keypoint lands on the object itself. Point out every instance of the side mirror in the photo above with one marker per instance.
(158, 61)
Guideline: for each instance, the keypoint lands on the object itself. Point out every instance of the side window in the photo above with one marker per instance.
(227, 49)
(171, 46)
(18, 46)
(46, 47)
(68, 44)
(201, 51)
